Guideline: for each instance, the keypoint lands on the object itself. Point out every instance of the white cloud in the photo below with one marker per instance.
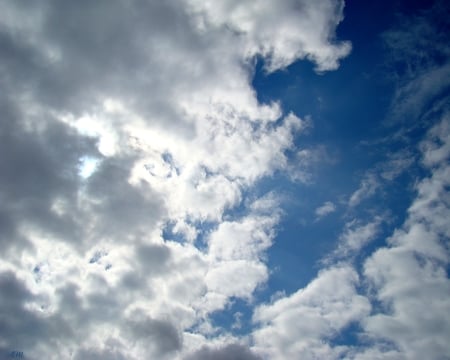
(382, 174)
(412, 98)
(236, 252)
(161, 93)
(280, 41)
(435, 152)
(355, 236)
(327, 208)
(369, 185)
(229, 351)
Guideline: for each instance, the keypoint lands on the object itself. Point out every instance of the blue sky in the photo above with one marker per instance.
(225, 180)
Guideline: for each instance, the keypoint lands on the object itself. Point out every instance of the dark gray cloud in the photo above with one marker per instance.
(160, 337)
(39, 169)
(20, 328)
(85, 312)
(154, 259)
(96, 354)
(120, 210)
(228, 352)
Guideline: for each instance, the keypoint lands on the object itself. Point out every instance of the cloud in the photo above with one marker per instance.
(413, 98)
(39, 161)
(409, 277)
(435, 152)
(236, 254)
(304, 323)
(327, 208)
(306, 161)
(161, 336)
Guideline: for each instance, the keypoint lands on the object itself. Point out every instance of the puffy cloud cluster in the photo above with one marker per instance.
(131, 137)
(397, 307)
(120, 120)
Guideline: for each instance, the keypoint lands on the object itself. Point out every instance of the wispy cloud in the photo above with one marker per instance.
(327, 208)
(368, 186)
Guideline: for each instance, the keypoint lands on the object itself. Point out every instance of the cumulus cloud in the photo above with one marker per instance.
(281, 42)
(304, 323)
(231, 351)
(409, 277)
(117, 120)
(122, 121)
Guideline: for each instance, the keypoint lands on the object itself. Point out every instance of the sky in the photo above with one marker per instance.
(241, 180)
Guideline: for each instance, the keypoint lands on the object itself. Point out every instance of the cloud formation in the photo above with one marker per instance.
(132, 145)
(398, 304)
(129, 131)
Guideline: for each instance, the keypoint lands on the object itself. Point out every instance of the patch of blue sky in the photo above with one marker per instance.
(204, 229)
(95, 258)
(169, 233)
(236, 318)
(348, 336)
(168, 158)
